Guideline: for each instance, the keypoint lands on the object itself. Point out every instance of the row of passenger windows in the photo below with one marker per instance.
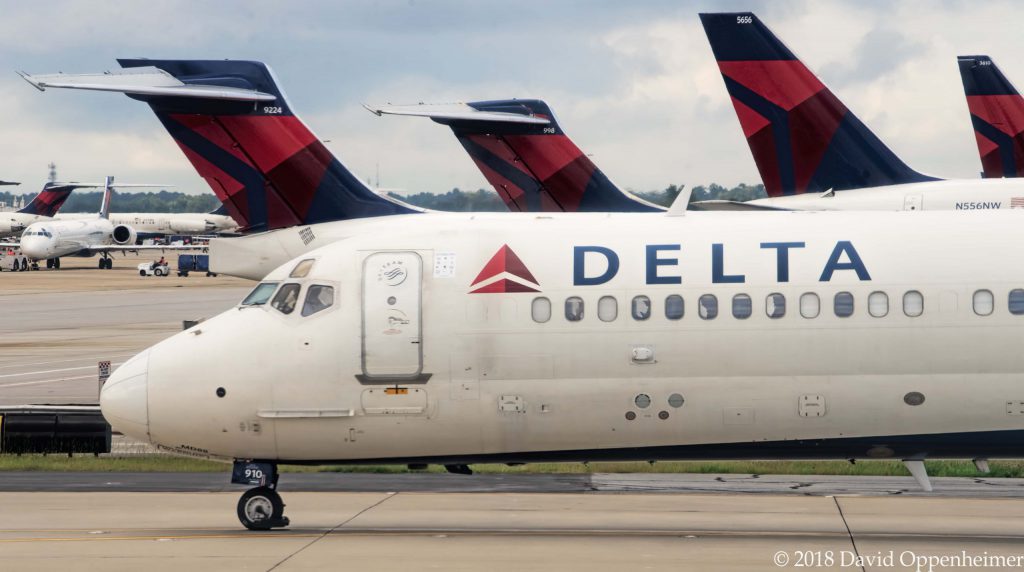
(843, 306)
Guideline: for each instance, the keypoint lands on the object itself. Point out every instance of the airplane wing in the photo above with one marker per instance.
(719, 205)
(455, 111)
(10, 245)
(141, 247)
(148, 80)
(9, 183)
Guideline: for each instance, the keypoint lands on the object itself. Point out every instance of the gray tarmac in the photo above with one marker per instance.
(654, 483)
(50, 342)
(505, 531)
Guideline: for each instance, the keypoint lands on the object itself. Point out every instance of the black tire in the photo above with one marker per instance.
(49, 263)
(142, 272)
(24, 264)
(103, 263)
(254, 505)
(56, 263)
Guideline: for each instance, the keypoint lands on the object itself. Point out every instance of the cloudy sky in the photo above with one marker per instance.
(633, 83)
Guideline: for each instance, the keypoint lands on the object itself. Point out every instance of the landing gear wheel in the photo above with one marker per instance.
(261, 508)
(56, 263)
(103, 263)
(49, 263)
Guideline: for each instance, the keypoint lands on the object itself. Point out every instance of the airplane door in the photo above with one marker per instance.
(392, 344)
(912, 203)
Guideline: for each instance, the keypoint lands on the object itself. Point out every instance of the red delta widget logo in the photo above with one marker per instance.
(504, 273)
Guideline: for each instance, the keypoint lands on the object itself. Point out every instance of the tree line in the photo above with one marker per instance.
(455, 200)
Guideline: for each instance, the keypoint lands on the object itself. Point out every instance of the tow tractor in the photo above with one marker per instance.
(154, 269)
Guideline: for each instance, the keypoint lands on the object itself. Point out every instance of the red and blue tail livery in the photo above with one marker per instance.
(802, 137)
(523, 153)
(50, 199)
(261, 161)
(997, 114)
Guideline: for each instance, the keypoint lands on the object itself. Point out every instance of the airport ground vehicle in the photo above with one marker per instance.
(14, 262)
(154, 269)
(194, 263)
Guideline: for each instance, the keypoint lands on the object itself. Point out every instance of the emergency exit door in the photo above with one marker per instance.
(392, 343)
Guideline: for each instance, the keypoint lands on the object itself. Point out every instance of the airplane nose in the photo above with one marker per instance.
(124, 399)
(33, 247)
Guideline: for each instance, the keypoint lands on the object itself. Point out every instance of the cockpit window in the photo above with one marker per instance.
(286, 298)
(260, 294)
(318, 297)
(302, 268)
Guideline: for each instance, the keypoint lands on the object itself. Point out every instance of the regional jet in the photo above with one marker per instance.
(812, 152)
(50, 240)
(513, 338)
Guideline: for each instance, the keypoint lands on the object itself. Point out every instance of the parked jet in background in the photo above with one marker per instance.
(42, 207)
(158, 225)
(522, 151)
(52, 239)
(997, 114)
(812, 152)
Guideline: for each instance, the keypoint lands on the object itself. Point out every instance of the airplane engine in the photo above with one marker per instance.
(190, 226)
(124, 234)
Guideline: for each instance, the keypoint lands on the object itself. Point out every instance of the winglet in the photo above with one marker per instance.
(681, 202)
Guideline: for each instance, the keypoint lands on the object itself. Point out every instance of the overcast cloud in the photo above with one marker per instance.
(634, 83)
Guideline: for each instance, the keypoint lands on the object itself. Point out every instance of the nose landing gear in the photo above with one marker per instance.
(260, 508)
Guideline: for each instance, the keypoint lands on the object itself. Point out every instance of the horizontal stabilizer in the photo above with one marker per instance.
(458, 112)
(719, 205)
(8, 183)
(77, 185)
(144, 81)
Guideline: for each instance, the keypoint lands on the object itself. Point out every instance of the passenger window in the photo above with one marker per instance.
(810, 305)
(878, 304)
(541, 310)
(302, 268)
(913, 304)
(1016, 302)
(674, 307)
(318, 297)
(742, 306)
(574, 309)
(286, 298)
(708, 307)
(641, 307)
(983, 302)
(775, 305)
(843, 304)
(260, 294)
(607, 308)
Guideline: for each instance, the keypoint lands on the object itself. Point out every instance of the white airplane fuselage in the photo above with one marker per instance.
(58, 238)
(949, 195)
(438, 347)
(14, 222)
(163, 224)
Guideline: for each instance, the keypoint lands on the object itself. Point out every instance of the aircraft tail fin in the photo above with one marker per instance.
(997, 114)
(50, 199)
(522, 151)
(237, 128)
(802, 137)
(108, 194)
